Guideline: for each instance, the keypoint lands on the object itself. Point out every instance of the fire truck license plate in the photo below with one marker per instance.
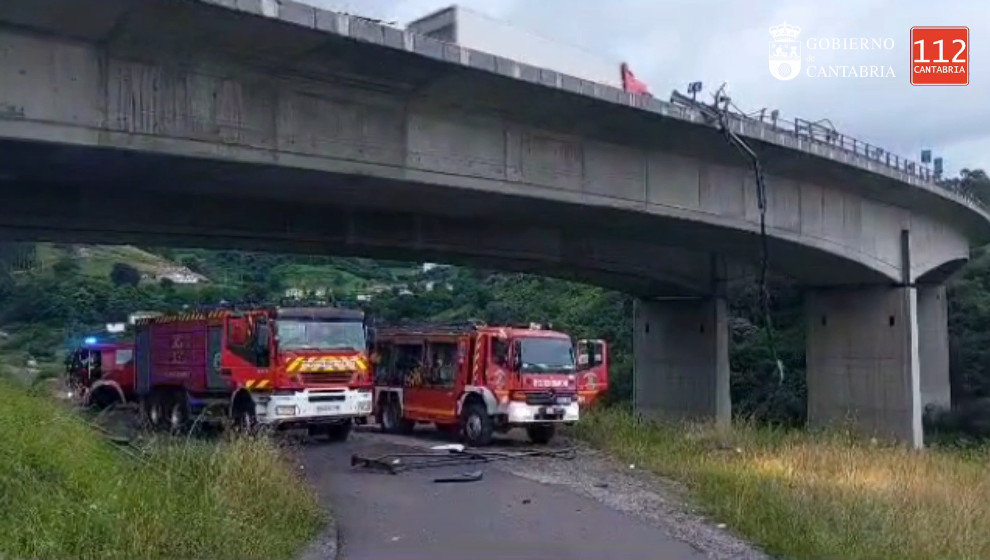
(328, 408)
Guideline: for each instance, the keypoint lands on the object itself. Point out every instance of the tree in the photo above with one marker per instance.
(194, 264)
(973, 182)
(124, 274)
(66, 267)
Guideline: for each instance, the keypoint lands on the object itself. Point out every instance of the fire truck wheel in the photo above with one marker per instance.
(244, 419)
(389, 417)
(178, 417)
(155, 410)
(392, 420)
(541, 434)
(477, 425)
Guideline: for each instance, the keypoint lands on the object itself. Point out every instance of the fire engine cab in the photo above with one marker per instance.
(284, 366)
(474, 379)
(101, 373)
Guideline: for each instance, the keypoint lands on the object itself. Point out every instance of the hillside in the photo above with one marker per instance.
(97, 261)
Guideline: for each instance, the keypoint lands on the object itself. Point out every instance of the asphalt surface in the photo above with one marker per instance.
(408, 516)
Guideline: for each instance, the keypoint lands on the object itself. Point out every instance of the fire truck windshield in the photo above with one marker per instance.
(320, 335)
(546, 355)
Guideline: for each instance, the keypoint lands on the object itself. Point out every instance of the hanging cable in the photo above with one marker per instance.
(719, 111)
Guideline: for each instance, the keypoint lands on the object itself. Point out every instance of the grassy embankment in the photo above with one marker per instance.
(65, 492)
(825, 495)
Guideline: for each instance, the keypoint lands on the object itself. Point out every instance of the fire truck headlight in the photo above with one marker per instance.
(285, 410)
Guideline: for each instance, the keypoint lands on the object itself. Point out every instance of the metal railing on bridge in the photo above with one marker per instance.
(823, 132)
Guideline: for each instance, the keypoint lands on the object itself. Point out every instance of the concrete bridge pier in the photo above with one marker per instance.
(681, 352)
(681, 358)
(876, 356)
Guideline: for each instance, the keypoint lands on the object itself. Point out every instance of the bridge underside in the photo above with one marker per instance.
(108, 195)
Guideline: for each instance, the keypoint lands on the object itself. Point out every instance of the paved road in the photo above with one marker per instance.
(407, 516)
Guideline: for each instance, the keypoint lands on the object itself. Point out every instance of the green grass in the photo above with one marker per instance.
(65, 492)
(317, 276)
(815, 495)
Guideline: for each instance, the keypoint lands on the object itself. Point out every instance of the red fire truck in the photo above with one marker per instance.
(592, 371)
(285, 367)
(101, 374)
(474, 379)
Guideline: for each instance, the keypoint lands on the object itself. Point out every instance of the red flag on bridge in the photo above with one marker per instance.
(631, 84)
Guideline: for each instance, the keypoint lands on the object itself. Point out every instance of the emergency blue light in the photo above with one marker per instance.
(90, 340)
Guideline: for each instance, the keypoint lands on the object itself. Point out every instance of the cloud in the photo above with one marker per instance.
(669, 44)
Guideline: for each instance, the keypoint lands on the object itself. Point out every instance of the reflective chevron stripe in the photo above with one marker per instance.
(314, 364)
(252, 384)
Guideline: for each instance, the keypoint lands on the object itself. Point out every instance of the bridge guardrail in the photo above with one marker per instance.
(816, 131)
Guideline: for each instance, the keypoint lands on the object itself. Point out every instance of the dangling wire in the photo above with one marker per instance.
(719, 110)
(721, 106)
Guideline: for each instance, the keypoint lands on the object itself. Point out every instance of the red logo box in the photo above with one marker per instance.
(940, 56)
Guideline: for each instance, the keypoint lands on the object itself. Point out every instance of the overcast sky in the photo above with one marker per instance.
(669, 44)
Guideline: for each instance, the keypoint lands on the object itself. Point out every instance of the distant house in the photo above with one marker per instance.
(298, 292)
(431, 285)
(379, 288)
(364, 297)
(295, 293)
(178, 275)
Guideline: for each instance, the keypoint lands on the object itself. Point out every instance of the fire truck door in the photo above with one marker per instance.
(592, 369)
(435, 398)
(214, 353)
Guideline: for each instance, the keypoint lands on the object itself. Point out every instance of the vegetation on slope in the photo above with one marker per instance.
(65, 492)
(815, 495)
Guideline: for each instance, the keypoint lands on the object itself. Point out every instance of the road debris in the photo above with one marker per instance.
(395, 463)
(463, 477)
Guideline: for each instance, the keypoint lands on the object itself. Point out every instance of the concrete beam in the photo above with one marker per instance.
(100, 214)
(681, 359)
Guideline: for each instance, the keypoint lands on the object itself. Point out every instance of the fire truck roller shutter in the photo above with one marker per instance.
(491, 403)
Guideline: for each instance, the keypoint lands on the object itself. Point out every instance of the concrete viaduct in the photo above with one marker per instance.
(266, 124)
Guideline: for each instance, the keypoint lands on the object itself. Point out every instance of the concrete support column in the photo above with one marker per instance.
(681, 359)
(863, 359)
(933, 346)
